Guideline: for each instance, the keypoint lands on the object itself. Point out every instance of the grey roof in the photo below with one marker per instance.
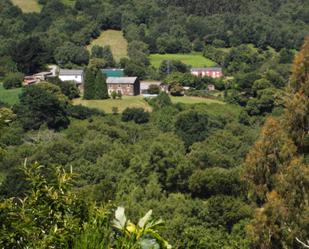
(206, 69)
(71, 72)
(121, 80)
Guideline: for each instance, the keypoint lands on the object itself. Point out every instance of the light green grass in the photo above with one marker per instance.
(193, 59)
(137, 101)
(115, 39)
(121, 104)
(28, 6)
(194, 100)
(9, 96)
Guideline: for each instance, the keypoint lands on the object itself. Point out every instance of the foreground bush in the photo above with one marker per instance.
(138, 115)
(52, 216)
(13, 80)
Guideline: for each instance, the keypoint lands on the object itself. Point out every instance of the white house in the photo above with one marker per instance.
(76, 75)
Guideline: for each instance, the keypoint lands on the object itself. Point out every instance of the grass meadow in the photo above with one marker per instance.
(28, 6)
(138, 101)
(192, 59)
(9, 96)
(115, 39)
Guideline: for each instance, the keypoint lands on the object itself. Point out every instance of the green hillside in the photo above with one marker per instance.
(9, 96)
(192, 59)
(115, 39)
(28, 6)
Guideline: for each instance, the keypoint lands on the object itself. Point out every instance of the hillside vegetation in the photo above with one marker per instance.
(115, 39)
(28, 6)
(9, 96)
(193, 59)
(230, 172)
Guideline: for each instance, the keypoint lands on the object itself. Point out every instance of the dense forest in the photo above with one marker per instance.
(228, 175)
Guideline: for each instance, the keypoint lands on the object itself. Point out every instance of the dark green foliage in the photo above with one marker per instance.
(68, 88)
(138, 115)
(176, 90)
(192, 126)
(89, 85)
(170, 66)
(161, 101)
(215, 181)
(153, 89)
(13, 80)
(101, 91)
(70, 53)
(42, 104)
(226, 211)
(82, 112)
(29, 55)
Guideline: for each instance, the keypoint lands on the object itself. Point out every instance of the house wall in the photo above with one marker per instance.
(213, 74)
(125, 89)
(76, 78)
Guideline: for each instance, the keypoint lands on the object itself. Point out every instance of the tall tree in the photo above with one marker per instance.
(100, 86)
(89, 85)
(297, 111)
(277, 174)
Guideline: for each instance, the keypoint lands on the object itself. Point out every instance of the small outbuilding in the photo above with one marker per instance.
(76, 75)
(127, 86)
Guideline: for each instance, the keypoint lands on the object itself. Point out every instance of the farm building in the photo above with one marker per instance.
(213, 72)
(36, 78)
(127, 86)
(76, 75)
(113, 72)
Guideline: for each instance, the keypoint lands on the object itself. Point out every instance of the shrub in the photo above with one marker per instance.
(114, 95)
(161, 101)
(138, 115)
(177, 90)
(83, 112)
(153, 89)
(13, 80)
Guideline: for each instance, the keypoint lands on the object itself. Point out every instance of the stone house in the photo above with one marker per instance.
(127, 86)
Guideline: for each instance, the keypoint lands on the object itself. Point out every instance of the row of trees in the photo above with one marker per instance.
(95, 86)
(276, 170)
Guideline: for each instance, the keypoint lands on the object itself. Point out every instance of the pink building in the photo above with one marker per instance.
(213, 72)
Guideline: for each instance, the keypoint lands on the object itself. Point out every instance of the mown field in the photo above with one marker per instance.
(115, 39)
(137, 101)
(9, 96)
(28, 5)
(192, 59)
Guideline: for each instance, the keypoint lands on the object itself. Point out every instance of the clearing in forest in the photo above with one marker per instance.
(28, 6)
(138, 101)
(192, 59)
(115, 39)
(10, 96)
